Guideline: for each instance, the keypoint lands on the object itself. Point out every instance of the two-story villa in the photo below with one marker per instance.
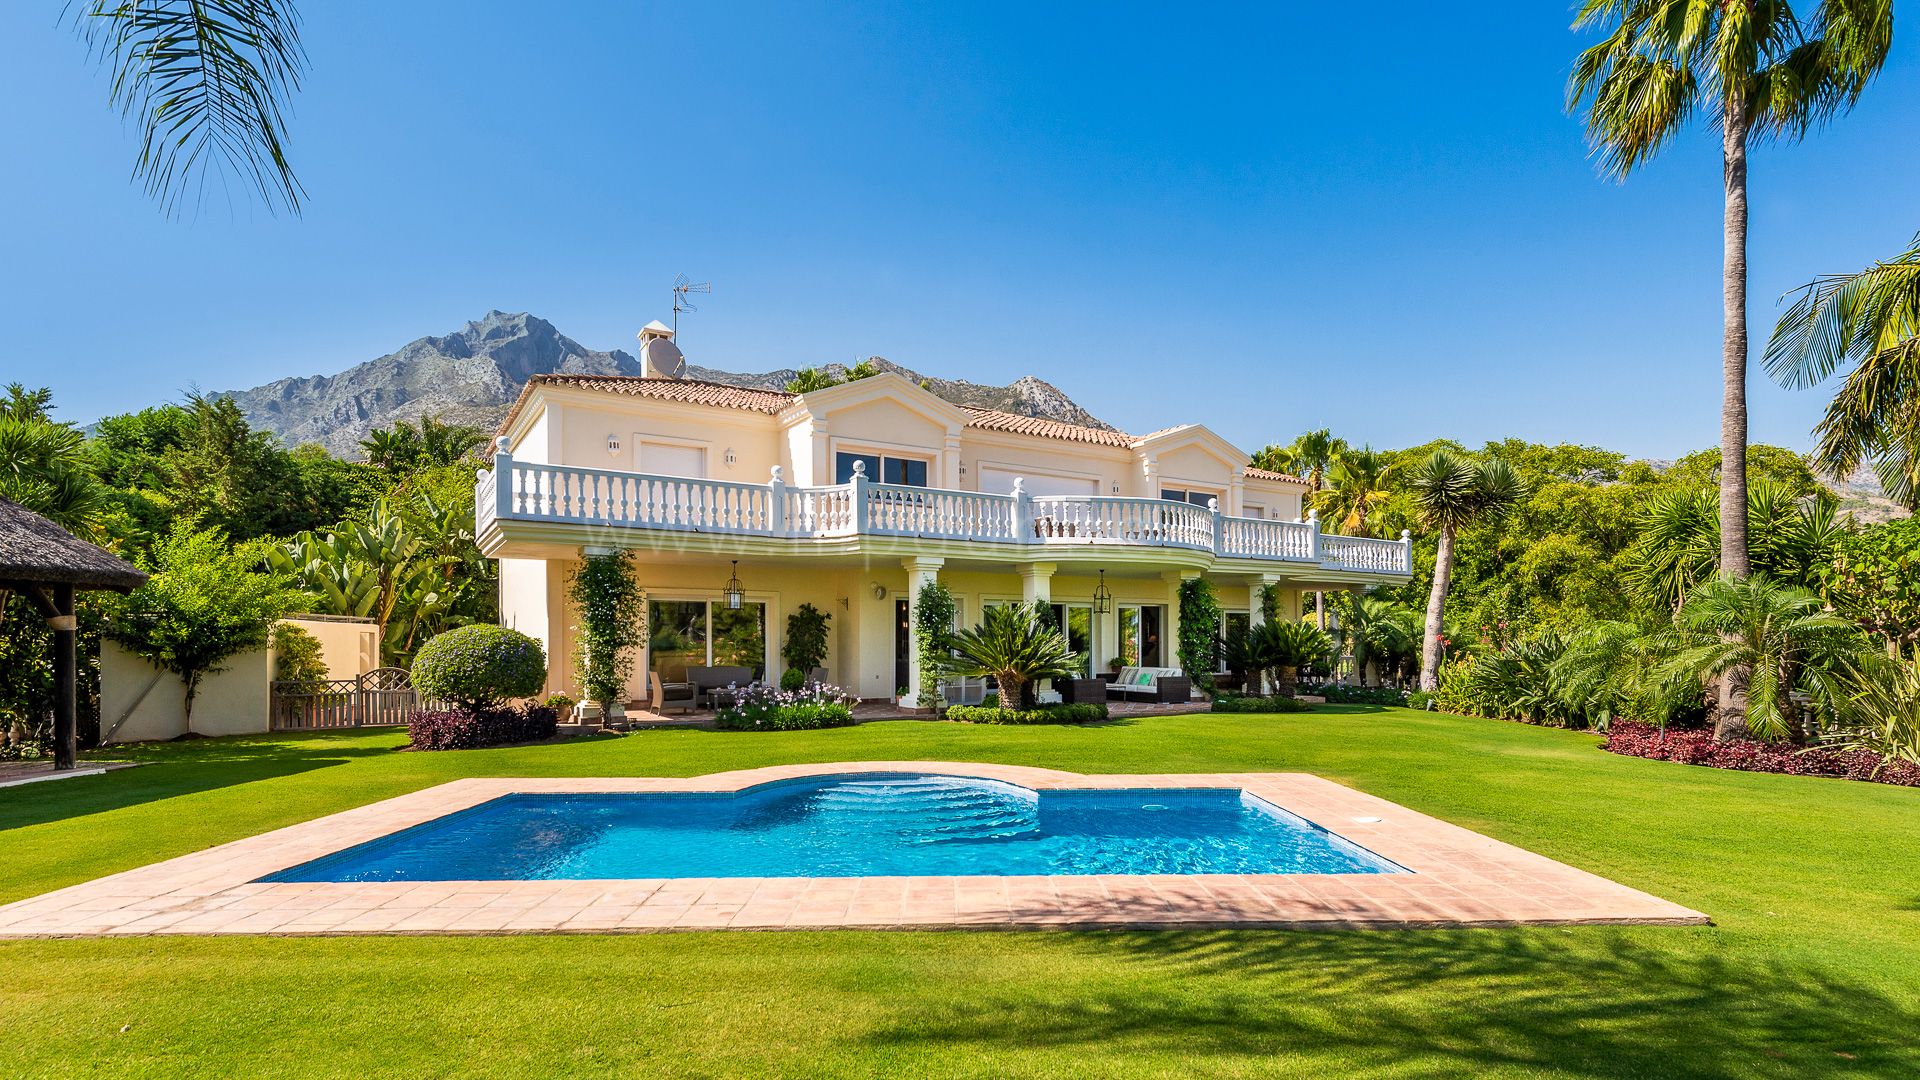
(852, 497)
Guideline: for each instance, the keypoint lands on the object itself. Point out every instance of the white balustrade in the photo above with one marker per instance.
(531, 491)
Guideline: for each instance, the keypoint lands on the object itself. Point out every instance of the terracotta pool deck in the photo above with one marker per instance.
(1459, 878)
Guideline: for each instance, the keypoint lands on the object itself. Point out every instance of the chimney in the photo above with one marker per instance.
(660, 358)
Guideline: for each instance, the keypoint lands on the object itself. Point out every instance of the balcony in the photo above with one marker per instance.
(1029, 526)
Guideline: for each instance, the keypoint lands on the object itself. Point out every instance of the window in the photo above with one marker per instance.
(881, 468)
(705, 633)
(1189, 495)
(1140, 635)
(1253, 510)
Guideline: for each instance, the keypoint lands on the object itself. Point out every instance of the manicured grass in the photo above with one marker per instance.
(1812, 968)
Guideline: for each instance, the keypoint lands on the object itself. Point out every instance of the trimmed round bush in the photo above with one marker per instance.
(479, 666)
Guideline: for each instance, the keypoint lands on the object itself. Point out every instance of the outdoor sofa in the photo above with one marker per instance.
(1160, 685)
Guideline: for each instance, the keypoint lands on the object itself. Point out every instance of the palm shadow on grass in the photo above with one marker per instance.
(1590, 1002)
(172, 769)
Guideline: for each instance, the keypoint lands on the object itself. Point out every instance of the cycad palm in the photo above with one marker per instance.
(1453, 492)
(1017, 645)
(1770, 640)
(1762, 72)
(1870, 320)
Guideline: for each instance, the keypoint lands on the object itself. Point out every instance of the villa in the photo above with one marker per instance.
(744, 504)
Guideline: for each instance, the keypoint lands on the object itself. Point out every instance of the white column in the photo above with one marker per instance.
(920, 573)
(1036, 581)
(1257, 616)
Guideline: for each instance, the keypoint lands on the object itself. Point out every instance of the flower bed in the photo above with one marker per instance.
(1086, 712)
(1240, 703)
(1696, 747)
(770, 708)
(470, 729)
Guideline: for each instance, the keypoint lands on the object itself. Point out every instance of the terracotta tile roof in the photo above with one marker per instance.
(1269, 474)
(991, 420)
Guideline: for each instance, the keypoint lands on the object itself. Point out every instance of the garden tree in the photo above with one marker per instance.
(1614, 668)
(1357, 490)
(205, 82)
(204, 604)
(1308, 456)
(1378, 631)
(1874, 579)
(1453, 492)
(1869, 322)
(1016, 645)
(1764, 641)
(807, 380)
(1760, 71)
(43, 462)
(383, 569)
(405, 447)
(1777, 464)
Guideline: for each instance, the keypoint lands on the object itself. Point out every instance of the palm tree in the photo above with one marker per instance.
(1282, 647)
(1452, 493)
(1763, 641)
(205, 81)
(1017, 645)
(1308, 456)
(1762, 72)
(1870, 320)
(1356, 488)
(1678, 545)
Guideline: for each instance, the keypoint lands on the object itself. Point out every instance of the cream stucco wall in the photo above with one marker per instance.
(348, 647)
(233, 701)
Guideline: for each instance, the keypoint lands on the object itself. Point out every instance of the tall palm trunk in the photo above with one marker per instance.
(1733, 353)
(1436, 611)
(1731, 718)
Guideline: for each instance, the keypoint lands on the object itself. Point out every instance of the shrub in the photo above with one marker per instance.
(1697, 747)
(561, 704)
(806, 644)
(763, 708)
(1084, 712)
(1342, 694)
(613, 625)
(469, 729)
(793, 679)
(1240, 703)
(479, 667)
(1420, 699)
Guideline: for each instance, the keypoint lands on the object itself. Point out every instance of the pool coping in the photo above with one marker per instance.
(1458, 878)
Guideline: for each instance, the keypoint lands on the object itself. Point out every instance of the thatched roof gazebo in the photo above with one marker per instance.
(47, 564)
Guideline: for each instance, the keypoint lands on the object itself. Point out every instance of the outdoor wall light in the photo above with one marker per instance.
(736, 592)
(730, 458)
(613, 444)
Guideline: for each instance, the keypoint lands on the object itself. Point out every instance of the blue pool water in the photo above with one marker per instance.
(853, 826)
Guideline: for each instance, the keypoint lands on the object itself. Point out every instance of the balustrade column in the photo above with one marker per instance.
(1406, 551)
(502, 479)
(1023, 513)
(777, 509)
(861, 511)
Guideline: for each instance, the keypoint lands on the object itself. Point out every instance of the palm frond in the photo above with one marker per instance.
(207, 81)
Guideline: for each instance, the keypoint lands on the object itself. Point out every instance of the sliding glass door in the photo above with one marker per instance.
(1076, 621)
(1140, 634)
(705, 633)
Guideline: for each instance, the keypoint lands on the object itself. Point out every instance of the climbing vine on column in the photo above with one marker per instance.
(611, 608)
(1199, 629)
(932, 627)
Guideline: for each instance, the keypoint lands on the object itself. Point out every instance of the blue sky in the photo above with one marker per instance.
(1264, 219)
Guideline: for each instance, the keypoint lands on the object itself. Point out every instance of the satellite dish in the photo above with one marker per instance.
(660, 358)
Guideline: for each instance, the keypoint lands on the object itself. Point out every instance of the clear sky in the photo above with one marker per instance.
(1377, 218)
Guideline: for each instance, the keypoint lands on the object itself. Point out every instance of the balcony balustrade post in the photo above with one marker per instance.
(860, 508)
(1023, 513)
(502, 479)
(1313, 535)
(1406, 551)
(1213, 509)
(777, 505)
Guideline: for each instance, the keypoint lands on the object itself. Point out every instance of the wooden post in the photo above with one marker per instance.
(65, 669)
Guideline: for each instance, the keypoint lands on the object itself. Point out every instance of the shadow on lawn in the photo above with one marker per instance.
(214, 763)
(1590, 1003)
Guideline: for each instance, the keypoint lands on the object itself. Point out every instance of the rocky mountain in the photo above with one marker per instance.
(471, 375)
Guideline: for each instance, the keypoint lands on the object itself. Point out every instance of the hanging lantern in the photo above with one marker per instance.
(736, 592)
(1102, 598)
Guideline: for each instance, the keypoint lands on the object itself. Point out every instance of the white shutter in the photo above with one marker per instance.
(998, 481)
(668, 459)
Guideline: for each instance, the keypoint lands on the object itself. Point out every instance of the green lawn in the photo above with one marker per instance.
(1812, 968)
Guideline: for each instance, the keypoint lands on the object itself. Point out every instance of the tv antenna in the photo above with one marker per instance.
(682, 285)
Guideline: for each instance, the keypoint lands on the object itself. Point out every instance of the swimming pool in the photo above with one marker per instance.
(852, 826)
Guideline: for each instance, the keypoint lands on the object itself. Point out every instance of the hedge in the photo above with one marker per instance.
(470, 729)
(1236, 703)
(1086, 712)
(1691, 746)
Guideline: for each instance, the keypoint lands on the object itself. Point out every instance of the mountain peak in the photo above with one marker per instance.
(472, 375)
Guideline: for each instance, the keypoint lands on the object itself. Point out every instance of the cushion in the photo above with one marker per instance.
(1145, 678)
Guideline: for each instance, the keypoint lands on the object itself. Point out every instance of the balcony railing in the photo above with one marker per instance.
(529, 491)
